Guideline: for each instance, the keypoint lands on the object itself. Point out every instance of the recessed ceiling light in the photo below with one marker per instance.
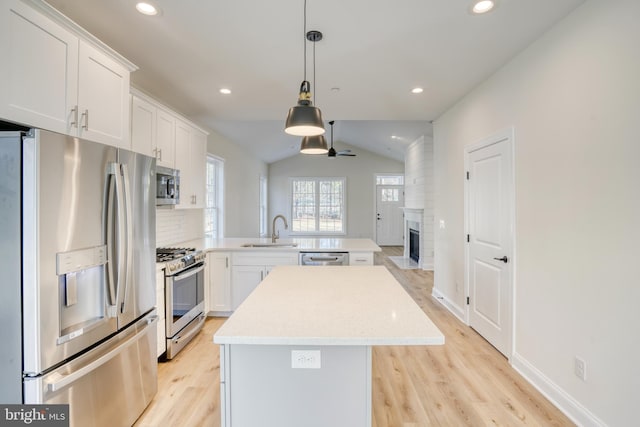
(394, 137)
(483, 6)
(146, 8)
(417, 90)
(225, 91)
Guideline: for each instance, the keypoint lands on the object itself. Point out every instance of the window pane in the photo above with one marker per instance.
(213, 198)
(304, 206)
(390, 180)
(390, 195)
(331, 206)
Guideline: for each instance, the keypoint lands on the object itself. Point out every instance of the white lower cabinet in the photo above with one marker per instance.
(162, 342)
(361, 258)
(245, 279)
(250, 268)
(219, 267)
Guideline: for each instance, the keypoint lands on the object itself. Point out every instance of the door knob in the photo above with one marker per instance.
(503, 259)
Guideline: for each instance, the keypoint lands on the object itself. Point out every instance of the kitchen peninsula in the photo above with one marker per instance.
(236, 265)
(298, 350)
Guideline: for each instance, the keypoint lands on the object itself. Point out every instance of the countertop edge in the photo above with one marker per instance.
(317, 341)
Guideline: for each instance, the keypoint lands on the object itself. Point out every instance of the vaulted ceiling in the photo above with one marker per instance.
(372, 54)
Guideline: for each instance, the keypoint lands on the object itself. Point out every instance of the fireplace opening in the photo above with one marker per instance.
(414, 244)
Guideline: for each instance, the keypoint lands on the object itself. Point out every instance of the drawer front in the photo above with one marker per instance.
(361, 258)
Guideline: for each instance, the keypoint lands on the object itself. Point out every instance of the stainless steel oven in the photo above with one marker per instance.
(184, 298)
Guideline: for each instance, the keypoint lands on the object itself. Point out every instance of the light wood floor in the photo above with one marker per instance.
(466, 382)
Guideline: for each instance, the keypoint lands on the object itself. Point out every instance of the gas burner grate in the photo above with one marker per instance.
(168, 254)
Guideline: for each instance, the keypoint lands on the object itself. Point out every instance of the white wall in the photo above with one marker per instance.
(242, 171)
(573, 98)
(359, 171)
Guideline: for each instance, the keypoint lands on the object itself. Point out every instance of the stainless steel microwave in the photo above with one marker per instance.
(167, 186)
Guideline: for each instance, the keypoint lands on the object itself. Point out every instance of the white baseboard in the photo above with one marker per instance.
(455, 309)
(427, 266)
(560, 398)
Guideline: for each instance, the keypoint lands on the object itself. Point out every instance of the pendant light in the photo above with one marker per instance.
(304, 119)
(315, 144)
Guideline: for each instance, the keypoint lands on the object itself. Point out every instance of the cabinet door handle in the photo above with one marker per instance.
(74, 111)
(86, 120)
(160, 151)
(226, 260)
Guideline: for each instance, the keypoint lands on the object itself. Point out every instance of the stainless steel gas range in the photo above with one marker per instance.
(184, 295)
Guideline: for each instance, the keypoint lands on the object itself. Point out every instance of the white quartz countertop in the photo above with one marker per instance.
(301, 244)
(302, 305)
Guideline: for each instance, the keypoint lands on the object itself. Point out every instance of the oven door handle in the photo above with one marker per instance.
(188, 274)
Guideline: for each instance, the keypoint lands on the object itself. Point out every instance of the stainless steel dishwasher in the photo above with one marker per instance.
(324, 258)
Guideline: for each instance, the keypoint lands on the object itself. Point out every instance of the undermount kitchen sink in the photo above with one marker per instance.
(269, 245)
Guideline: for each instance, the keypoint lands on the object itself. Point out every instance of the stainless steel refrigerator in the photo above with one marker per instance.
(78, 323)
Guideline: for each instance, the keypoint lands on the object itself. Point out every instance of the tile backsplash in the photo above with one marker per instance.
(174, 226)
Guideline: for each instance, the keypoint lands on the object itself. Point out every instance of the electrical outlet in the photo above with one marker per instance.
(305, 359)
(580, 368)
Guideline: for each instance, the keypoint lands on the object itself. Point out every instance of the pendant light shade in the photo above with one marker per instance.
(304, 119)
(316, 144)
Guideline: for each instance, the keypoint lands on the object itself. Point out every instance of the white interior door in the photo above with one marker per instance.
(389, 223)
(490, 225)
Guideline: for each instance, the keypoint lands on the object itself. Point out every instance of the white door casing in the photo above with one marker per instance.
(389, 223)
(489, 218)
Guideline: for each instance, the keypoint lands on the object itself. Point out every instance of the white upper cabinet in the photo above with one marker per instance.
(166, 140)
(199, 167)
(191, 160)
(103, 98)
(39, 72)
(143, 126)
(153, 130)
(53, 77)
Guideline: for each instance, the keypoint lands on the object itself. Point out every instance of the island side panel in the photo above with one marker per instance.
(262, 388)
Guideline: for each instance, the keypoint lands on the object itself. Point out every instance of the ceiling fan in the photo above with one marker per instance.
(332, 152)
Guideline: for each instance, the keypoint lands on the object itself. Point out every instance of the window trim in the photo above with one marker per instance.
(220, 202)
(263, 181)
(344, 206)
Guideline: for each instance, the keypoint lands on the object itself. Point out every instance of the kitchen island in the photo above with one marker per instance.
(298, 350)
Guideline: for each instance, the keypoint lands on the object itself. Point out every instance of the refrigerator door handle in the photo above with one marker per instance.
(128, 244)
(115, 170)
(65, 380)
(112, 263)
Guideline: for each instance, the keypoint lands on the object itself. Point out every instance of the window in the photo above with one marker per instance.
(318, 206)
(389, 179)
(263, 206)
(389, 195)
(213, 211)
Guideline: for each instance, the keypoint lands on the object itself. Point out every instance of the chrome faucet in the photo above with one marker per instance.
(275, 236)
